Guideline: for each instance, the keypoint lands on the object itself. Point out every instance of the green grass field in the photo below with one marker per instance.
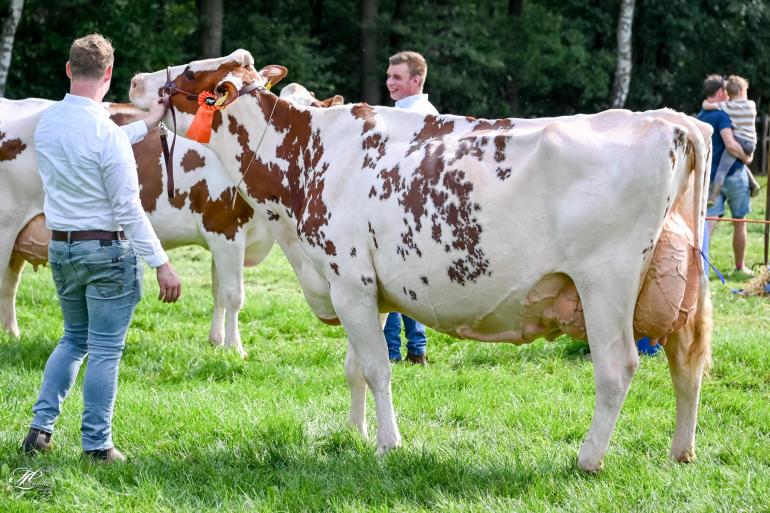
(486, 427)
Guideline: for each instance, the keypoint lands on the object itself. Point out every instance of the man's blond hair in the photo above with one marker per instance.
(736, 85)
(414, 61)
(90, 56)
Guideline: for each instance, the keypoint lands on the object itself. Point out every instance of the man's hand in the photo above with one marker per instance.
(168, 281)
(749, 159)
(157, 111)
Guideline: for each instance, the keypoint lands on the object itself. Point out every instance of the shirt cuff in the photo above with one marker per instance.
(156, 259)
(135, 131)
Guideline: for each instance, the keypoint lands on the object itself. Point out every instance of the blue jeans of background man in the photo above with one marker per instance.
(735, 192)
(99, 284)
(415, 336)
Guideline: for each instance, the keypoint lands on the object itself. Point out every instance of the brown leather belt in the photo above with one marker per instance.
(87, 235)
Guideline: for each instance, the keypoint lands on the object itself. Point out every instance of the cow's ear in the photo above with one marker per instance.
(273, 73)
(223, 88)
(334, 100)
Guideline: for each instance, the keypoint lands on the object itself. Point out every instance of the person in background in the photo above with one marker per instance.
(405, 81)
(743, 114)
(91, 196)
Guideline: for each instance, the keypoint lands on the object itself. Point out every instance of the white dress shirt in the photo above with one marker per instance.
(89, 174)
(417, 103)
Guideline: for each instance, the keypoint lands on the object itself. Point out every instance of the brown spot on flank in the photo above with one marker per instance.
(433, 128)
(366, 112)
(10, 148)
(192, 160)
(148, 155)
(220, 215)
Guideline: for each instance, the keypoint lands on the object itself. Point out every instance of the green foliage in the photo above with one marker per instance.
(557, 58)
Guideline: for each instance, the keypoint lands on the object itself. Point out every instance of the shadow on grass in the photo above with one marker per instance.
(278, 468)
(25, 352)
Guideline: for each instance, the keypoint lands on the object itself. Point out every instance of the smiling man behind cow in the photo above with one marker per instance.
(406, 78)
(89, 176)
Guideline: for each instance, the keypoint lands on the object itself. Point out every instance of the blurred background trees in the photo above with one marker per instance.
(487, 58)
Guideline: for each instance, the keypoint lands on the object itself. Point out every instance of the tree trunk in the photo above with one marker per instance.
(210, 14)
(397, 26)
(316, 20)
(6, 41)
(370, 78)
(622, 82)
(515, 9)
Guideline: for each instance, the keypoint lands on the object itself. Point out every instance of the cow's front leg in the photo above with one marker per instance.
(357, 310)
(227, 285)
(615, 359)
(357, 383)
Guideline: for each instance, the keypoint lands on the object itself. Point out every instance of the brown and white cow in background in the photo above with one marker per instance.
(494, 230)
(202, 211)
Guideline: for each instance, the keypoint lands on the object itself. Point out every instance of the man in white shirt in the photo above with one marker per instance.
(92, 195)
(405, 79)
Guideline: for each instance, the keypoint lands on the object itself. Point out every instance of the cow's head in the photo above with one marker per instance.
(222, 76)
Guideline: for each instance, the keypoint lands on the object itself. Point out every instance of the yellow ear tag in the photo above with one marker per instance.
(269, 85)
(222, 99)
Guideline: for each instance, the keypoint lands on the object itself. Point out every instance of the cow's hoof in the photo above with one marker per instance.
(684, 456)
(590, 465)
(383, 448)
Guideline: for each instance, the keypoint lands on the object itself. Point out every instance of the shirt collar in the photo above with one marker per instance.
(409, 100)
(82, 101)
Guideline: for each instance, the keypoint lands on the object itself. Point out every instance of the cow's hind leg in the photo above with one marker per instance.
(357, 310)
(357, 383)
(8, 287)
(610, 336)
(689, 355)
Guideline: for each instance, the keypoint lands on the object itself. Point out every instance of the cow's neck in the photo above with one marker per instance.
(285, 177)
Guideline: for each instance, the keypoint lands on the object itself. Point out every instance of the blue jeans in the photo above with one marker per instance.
(735, 191)
(99, 284)
(415, 336)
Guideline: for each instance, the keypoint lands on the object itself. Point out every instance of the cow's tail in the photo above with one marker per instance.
(699, 139)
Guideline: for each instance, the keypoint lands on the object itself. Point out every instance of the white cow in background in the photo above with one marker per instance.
(498, 230)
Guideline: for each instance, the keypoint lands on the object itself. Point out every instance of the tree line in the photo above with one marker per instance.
(487, 58)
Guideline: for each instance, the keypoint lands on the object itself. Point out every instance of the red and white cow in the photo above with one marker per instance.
(504, 230)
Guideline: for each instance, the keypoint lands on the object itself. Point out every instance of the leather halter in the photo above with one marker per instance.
(170, 89)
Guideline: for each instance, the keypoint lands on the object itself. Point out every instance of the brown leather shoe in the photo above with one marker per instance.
(36, 441)
(111, 455)
(417, 360)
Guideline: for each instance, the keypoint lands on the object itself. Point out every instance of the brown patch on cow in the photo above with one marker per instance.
(335, 268)
(366, 112)
(10, 148)
(374, 149)
(391, 182)
(500, 141)
(504, 173)
(148, 154)
(495, 124)
(300, 187)
(192, 160)
(330, 322)
(433, 128)
(272, 216)
(220, 215)
(353, 252)
(179, 199)
(367, 280)
(216, 122)
(424, 279)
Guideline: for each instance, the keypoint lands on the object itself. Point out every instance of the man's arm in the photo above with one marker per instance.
(707, 105)
(733, 147)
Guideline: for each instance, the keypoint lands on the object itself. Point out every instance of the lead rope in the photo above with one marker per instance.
(264, 132)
